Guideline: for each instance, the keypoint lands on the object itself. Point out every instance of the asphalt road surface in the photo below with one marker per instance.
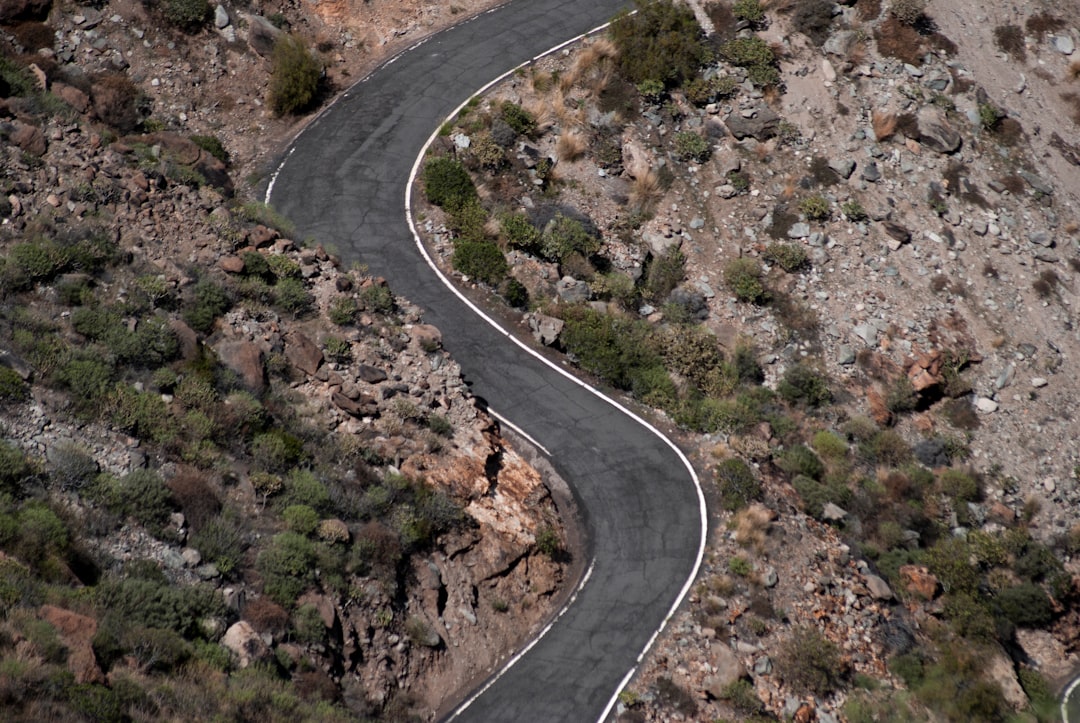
(343, 182)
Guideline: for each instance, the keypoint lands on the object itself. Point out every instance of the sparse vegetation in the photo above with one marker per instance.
(294, 76)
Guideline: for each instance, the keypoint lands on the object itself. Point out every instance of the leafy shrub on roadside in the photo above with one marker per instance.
(756, 56)
(662, 42)
(815, 208)
(212, 145)
(811, 663)
(522, 121)
(519, 232)
(447, 184)
(480, 260)
(611, 347)
(564, 236)
(294, 76)
(748, 10)
(210, 301)
(738, 484)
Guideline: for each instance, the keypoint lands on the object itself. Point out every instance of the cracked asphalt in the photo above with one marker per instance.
(343, 183)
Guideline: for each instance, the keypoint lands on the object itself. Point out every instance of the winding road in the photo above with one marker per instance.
(344, 182)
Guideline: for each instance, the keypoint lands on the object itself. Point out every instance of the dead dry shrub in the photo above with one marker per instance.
(266, 616)
(898, 40)
(867, 10)
(196, 497)
(570, 146)
(593, 67)
(117, 102)
(883, 123)
(1073, 72)
(752, 526)
(1042, 23)
(1010, 39)
(908, 12)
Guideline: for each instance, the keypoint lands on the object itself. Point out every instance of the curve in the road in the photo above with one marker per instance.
(641, 502)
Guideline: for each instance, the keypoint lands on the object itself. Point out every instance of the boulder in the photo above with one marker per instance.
(262, 35)
(303, 353)
(1001, 671)
(370, 374)
(246, 359)
(363, 406)
(918, 580)
(28, 138)
(246, 644)
(729, 669)
(935, 133)
(189, 340)
(545, 329)
(878, 588)
(71, 95)
(761, 124)
(572, 290)
(427, 337)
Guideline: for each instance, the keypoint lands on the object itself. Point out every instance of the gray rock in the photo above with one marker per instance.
(572, 290)
(729, 669)
(659, 244)
(769, 578)
(844, 167)
(878, 588)
(461, 141)
(726, 191)
(221, 17)
(762, 125)
(833, 513)
(845, 355)
(1038, 382)
(1064, 44)
(986, 405)
(696, 223)
(545, 329)
(799, 230)
(871, 173)
(839, 43)
(1035, 182)
(262, 35)
(935, 133)
(867, 332)
(1042, 238)
(763, 665)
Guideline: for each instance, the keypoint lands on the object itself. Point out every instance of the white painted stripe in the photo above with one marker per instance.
(519, 430)
(1065, 700)
(702, 509)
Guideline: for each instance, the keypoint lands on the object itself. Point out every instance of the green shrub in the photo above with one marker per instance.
(743, 278)
(300, 519)
(377, 299)
(519, 232)
(342, 310)
(515, 293)
(829, 445)
(267, 215)
(522, 121)
(800, 460)
(756, 56)
(294, 76)
(213, 146)
(662, 42)
(691, 146)
(748, 10)
(815, 208)
(854, 211)
(802, 384)
(140, 494)
(608, 346)
(959, 486)
(292, 297)
(338, 350)
(12, 386)
(564, 236)
(302, 487)
(187, 15)
(887, 448)
(209, 302)
(1025, 605)
(907, 12)
(548, 541)
(447, 184)
(790, 257)
(901, 396)
(141, 414)
(815, 495)
(738, 484)
(651, 90)
(665, 272)
(156, 603)
(480, 260)
(220, 540)
(287, 566)
(810, 663)
(741, 695)
(277, 450)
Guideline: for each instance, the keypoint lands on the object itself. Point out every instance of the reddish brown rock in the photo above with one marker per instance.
(76, 631)
(262, 236)
(427, 337)
(246, 359)
(918, 580)
(879, 412)
(29, 138)
(189, 340)
(71, 95)
(246, 644)
(231, 264)
(303, 353)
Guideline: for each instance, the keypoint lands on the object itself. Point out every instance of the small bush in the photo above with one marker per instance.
(210, 301)
(294, 76)
(220, 540)
(800, 460)
(815, 208)
(140, 494)
(748, 10)
(277, 450)
(691, 146)
(741, 696)
(12, 386)
(810, 663)
(564, 236)
(188, 15)
(743, 278)
(854, 211)
(519, 232)
(376, 298)
(788, 256)
(447, 184)
(548, 541)
(342, 310)
(213, 146)
(287, 566)
(480, 260)
(813, 18)
(756, 56)
(522, 121)
(738, 485)
(662, 42)
(611, 347)
(665, 272)
(907, 12)
(292, 297)
(802, 384)
(300, 519)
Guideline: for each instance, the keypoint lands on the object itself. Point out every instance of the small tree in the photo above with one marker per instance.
(294, 76)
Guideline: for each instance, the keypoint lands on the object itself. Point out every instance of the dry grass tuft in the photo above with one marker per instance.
(789, 189)
(752, 526)
(593, 67)
(1010, 39)
(571, 146)
(646, 189)
(883, 123)
(1074, 71)
(900, 41)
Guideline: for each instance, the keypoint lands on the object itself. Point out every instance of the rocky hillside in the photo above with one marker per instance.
(836, 244)
(239, 479)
